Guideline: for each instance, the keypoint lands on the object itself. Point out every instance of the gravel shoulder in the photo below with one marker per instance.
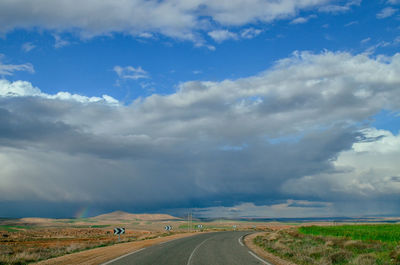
(103, 254)
(248, 240)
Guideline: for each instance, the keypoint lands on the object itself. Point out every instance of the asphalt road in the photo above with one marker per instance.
(221, 248)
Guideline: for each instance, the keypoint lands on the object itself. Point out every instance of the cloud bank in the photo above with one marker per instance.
(299, 131)
(181, 19)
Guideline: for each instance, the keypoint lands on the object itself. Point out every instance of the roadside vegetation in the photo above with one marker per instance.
(25, 245)
(347, 244)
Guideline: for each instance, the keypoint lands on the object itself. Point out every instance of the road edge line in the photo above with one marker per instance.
(121, 257)
(172, 240)
(194, 250)
(260, 259)
(240, 241)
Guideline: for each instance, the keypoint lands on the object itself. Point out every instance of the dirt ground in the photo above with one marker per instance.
(27, 245)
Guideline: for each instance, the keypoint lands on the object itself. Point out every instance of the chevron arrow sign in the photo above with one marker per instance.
(119, 230)
(168, 227)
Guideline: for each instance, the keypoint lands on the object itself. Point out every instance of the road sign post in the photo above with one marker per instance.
(168, 228)
(118, 231)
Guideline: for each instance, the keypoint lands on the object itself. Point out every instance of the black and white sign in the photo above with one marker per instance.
(168, 227)
(119, 230)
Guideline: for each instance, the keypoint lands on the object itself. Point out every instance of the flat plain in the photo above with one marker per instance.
(30, 240)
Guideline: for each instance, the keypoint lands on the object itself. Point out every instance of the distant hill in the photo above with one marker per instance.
(124, 216)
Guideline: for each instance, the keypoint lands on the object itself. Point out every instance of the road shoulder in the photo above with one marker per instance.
(103, 254)
(248, 240)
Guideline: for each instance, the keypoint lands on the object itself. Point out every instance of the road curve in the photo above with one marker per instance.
(220, 248)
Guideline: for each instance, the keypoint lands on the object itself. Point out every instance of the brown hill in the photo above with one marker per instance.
(36, 220)
(120, 215)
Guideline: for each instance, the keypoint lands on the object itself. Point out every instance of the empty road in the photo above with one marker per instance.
(220, 248)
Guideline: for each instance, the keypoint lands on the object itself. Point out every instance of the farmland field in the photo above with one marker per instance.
(381, 232)
(347, 244)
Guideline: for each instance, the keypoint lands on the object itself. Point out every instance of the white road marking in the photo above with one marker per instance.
(123, 256)
(168, 241)
(194, 250)
(240, 241)
(260, 259)
(175, 239)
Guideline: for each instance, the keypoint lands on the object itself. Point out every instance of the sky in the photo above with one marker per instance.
(242, 108)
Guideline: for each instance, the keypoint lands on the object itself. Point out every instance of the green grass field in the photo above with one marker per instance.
(99, 226)
(383, 232)
(13, 228)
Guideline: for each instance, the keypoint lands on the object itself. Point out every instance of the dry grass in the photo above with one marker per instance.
(27, 246)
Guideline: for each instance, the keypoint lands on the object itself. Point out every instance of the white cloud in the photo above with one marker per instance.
(250, 33)
(9, 69)
(334, 9)
(299, 20)
(351, 23)
(146, 35)
(297, 91)
(130, 72)
(383, 44)
(59, 42)
(363, 41)
(288, 209)
(222, 35)
(25, 89)
(302, 20)
(340, 8)
(197, 72)
(180, 19)
(17, 89)
(386, 12)
(369, 169)
(311, 81)
(28, 46)
(211, 47)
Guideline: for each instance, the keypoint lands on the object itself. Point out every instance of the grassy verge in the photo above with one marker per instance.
(381, 232)
(353, 245)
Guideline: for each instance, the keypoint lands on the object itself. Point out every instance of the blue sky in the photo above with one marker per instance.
(85, 66)
(251, 107)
